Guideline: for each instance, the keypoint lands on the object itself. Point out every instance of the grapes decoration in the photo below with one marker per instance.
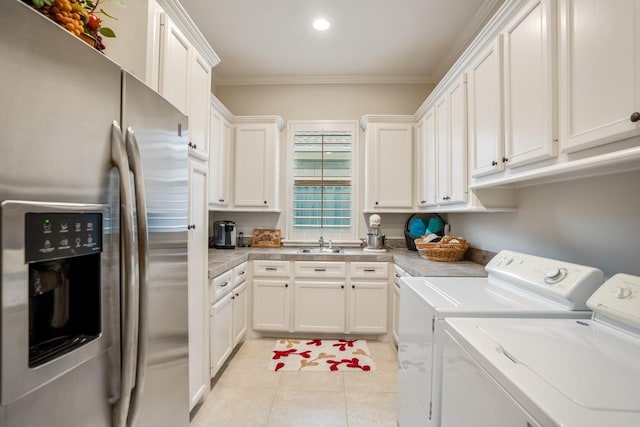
(79, 17)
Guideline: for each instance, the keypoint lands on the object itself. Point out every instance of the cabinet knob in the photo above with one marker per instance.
(353, 286)
(422, 202)
(265, 202)
(635, 117)
(286, 285)
(505, 160)
(376, 203)
(190, 145)
(221, 200)
(494, 163)
(341, 286)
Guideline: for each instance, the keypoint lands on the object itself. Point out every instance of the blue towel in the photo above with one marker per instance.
(435, 226)
(417, 227)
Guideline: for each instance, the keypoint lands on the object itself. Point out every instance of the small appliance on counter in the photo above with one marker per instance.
(374, 240)
(224, 235)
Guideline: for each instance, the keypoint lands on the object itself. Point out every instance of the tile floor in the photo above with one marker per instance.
(247, 395)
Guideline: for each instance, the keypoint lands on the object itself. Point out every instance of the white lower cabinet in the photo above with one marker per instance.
(319, 306)
(368, 307)
(271, 304)
(240, 302)
(325, 297)
(221, 345)
(395, 301)
(227, 315)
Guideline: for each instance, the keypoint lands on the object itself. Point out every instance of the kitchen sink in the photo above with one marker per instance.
(318, 250)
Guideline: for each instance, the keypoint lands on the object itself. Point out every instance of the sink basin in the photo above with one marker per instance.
(318, 250)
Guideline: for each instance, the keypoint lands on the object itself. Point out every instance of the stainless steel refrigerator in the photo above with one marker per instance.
(93, 225)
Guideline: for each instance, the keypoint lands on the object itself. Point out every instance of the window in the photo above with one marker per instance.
(321, 185)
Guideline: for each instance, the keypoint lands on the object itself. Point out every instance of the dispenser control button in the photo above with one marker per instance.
(64, 226)
(78, 226)
(46, 226)
(47, 244)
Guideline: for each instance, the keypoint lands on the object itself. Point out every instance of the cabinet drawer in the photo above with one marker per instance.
(271, 268)
(369, 270)
(240, 273)
(319, 270)
(220, 285)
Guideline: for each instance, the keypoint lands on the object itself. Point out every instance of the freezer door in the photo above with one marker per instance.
(59, 98)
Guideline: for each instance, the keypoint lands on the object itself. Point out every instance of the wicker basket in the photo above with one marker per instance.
(449, 249)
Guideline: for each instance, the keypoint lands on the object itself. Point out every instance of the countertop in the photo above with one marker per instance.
(221, 260)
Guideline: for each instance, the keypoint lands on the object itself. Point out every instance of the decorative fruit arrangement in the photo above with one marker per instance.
(78, 17)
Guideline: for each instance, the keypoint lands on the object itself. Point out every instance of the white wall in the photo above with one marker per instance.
(593, 221)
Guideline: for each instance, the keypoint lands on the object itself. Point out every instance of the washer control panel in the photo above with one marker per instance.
(619, 299)
(566, 283)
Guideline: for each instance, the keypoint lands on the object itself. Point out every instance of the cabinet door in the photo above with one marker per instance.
(430, 158)
(368, 307)
(458, 142)
(199, 101)
(271, 305)
(174, 65)
(443, 149)
(319, 306)
(197, 282)
(254, 166)
(219, 158)
(239, 298)
(221, 332)
(395, 312)
(390, 177)
(529, 76)
(484, 94)
(599, 71)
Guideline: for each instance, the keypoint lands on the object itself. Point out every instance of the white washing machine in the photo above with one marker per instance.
(518, 285)
(547, 372)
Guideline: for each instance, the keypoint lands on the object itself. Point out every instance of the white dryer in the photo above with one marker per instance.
(518, 285)
(547, 372)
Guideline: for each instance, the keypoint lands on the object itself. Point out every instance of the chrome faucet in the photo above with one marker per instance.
(321, 242)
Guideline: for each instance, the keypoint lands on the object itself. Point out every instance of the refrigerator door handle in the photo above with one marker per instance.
(133, 153)
(128, 295)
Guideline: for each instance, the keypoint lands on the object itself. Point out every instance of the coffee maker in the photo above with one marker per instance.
(224, 235)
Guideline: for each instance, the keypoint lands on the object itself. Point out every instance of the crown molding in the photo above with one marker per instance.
(222, 108)
(388, 118)
(320, 79)
(277, 120)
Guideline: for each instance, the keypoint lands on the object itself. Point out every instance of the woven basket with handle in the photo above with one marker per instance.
(449, 249)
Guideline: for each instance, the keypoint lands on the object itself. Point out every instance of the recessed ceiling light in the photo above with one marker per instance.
(321, 24)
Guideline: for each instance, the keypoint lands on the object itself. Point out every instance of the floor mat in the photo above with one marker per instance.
(321, 355)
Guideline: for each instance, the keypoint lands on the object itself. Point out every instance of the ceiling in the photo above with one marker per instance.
(369, 41)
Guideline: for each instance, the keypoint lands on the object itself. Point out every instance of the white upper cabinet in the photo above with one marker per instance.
(185, 80)
(599, 72)
(484, 86)
(174, 65)
(198, 102)
(256, 162)
(389, 160)
(451, 144)
(529, 82)
(220, 134)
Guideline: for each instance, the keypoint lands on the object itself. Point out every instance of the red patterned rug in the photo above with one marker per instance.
(321, 355)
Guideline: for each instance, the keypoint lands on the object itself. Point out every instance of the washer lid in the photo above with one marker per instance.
(477, 296)
(591, 364)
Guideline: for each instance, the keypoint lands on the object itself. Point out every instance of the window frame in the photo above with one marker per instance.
(294, 237)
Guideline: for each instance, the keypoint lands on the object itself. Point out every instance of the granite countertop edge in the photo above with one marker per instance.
(222, 260)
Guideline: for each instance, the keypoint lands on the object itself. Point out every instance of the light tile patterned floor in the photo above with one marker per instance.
(247, 395)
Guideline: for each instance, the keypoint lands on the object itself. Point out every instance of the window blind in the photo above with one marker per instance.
(322, 190)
